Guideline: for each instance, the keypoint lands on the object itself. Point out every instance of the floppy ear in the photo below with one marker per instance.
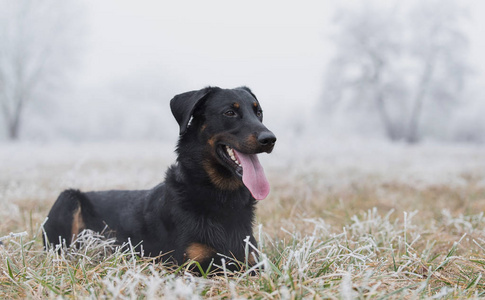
(183, 106)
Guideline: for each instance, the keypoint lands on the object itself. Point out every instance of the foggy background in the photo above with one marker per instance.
(90, 71)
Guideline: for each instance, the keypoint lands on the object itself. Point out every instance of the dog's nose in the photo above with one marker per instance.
(266, 138)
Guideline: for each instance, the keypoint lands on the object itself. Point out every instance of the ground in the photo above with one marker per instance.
(346, 219)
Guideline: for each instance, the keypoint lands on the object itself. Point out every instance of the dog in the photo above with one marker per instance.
(205, 208)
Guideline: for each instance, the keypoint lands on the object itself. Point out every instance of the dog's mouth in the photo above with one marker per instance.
(247, 167)
(228, 156)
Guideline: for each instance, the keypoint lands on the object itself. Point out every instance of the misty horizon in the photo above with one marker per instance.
(130, 60)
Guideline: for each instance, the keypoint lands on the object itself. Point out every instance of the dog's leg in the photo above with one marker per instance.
(77, 223)
(205, 255)
(65, 220)
(200, 253)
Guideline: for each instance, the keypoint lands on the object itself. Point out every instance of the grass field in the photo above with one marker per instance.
(345, 220)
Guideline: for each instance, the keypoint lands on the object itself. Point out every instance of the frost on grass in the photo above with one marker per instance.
(13, 235)
(469, 223)
(95, 268)
(371, 256)
(320, 235)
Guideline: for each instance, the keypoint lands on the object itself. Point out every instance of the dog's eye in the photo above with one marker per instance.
(229, 113)
(259, 114)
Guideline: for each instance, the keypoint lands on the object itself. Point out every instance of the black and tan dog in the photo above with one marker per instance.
(206, 205)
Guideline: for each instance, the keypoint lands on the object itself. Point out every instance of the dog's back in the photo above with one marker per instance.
(123, 214)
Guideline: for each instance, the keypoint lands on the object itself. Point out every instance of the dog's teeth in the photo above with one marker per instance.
(230, 151)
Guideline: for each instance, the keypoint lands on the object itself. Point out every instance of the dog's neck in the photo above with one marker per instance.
(199, 181)
(201, 194)
(203, 178)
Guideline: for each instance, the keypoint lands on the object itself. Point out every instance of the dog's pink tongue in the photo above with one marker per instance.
(253, 175)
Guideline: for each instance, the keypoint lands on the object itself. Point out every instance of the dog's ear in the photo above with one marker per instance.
(184, 105)
(245, 88)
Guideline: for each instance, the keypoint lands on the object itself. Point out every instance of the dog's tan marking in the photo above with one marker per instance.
(236, 105)
(199, 252)
(252, 141)
(255, 104)
(77, 223)
(251, 258)
(222, 182)
(212, 142)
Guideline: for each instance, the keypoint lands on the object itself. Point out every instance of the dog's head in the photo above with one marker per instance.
(224, 128)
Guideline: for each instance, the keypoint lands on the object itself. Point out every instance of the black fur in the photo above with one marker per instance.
(202, 208)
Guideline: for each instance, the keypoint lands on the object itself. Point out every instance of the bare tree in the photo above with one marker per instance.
(439, 48)
(358, 77)
(39, 40)
(388, 56)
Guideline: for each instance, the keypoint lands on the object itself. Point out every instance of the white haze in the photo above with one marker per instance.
(137, 55)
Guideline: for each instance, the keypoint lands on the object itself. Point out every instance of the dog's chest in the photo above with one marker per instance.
(224, 235)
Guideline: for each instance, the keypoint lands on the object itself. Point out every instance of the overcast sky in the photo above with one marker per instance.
(278, 48)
